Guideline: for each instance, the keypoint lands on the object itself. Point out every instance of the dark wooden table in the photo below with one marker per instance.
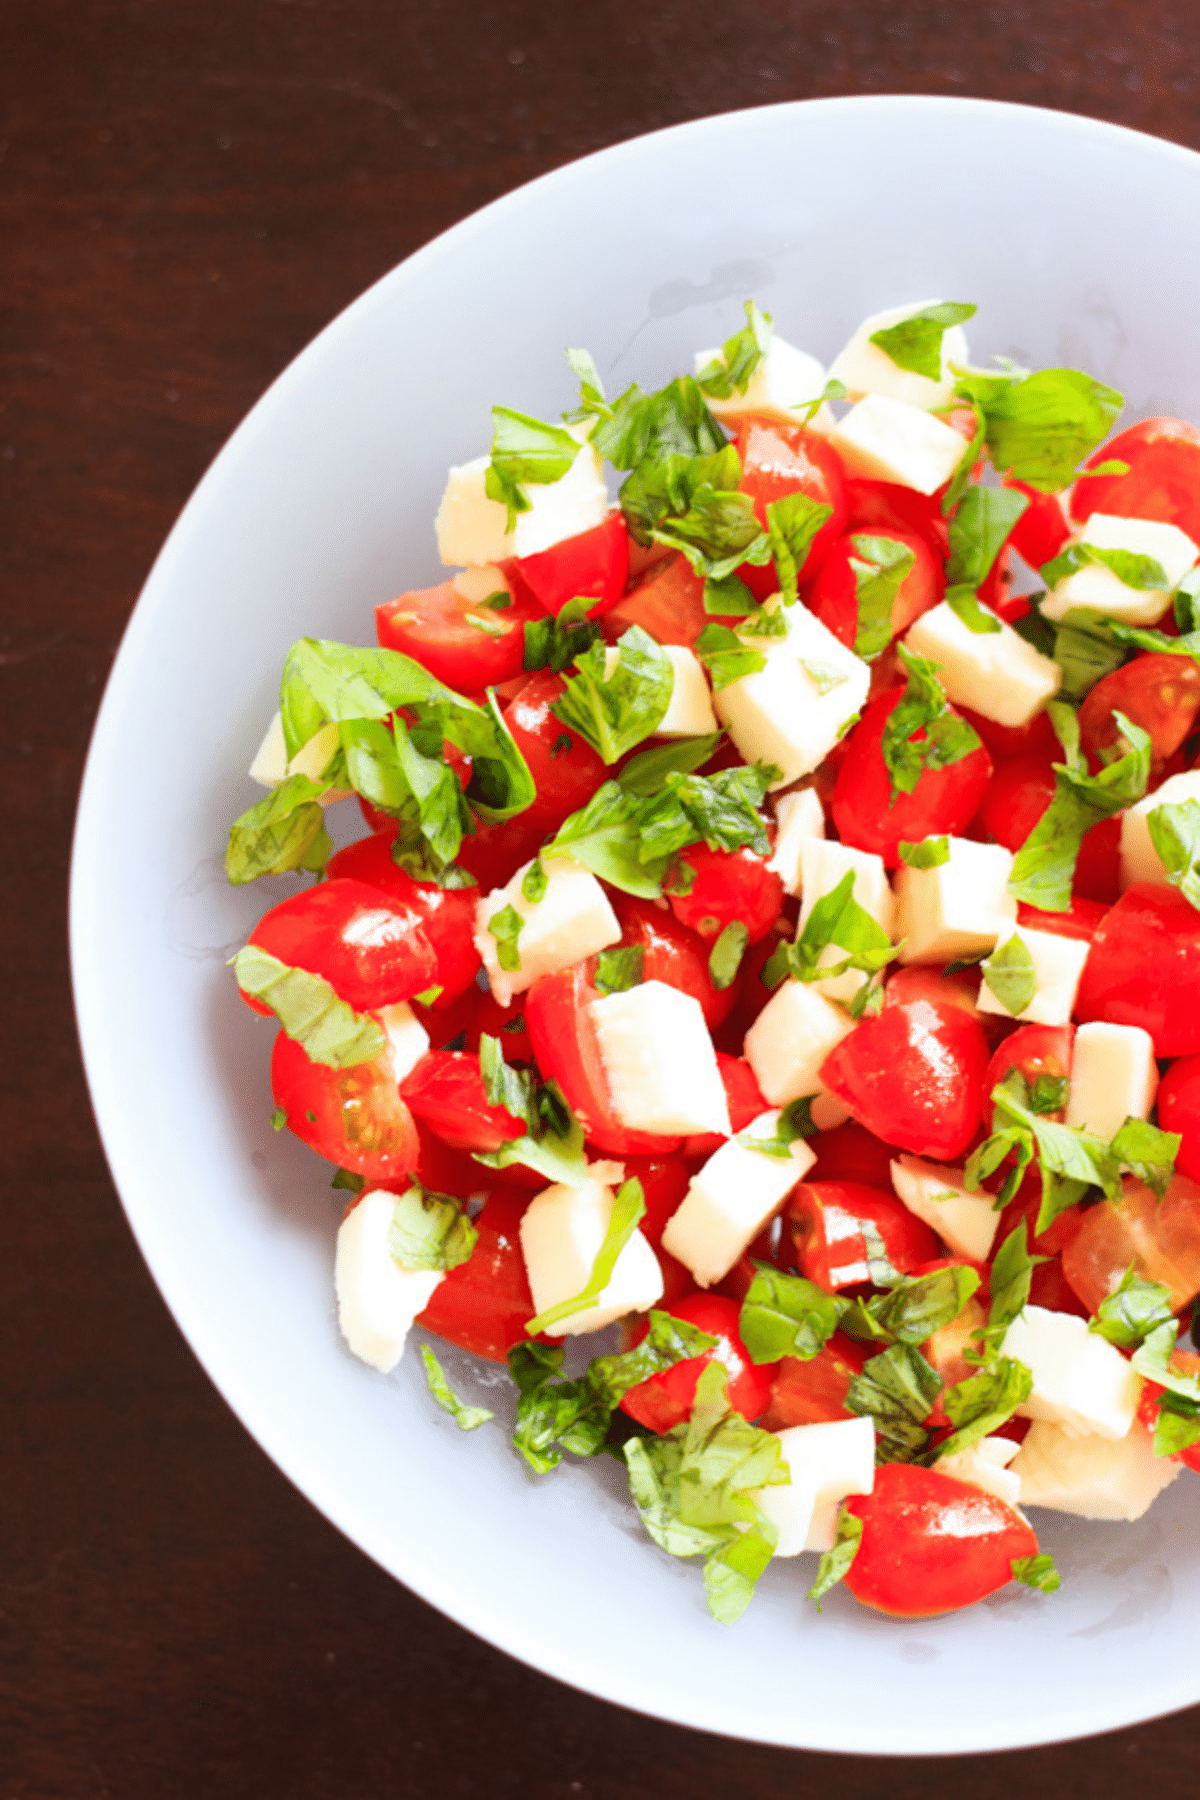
(187, 193)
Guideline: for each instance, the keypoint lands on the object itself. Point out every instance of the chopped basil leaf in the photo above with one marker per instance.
(981, 525)
(506, 927)
(823, 677)
(327, 1030)
(1072, 1160)
(913, 1307)
(725, 957)
(279, 1119)
(786, 1315)
(524, 450)
(792, 526)
(1010, 974)
(604, 836)
(1147, 1153)
(836, 920)
(1040, 427)
(554, 642)
(1012, 1272)
(1153, 1360)
(1044, 866)
(726, 657)
(629, 1205)
(534, 882)
(835, 1564)
(644, 774)
(648, 428)
(1142, 573)
(976, 618)
(465, 1417)
(945, 738)
(692, 503)
(617, 970)
(980, 1404)
(553, 1139)
(1049, 1093)
(614, 712)
(286, 830)
(1086, 648)
(930, 853)
(347, 1179)
(1175, 834)
(770, 624)
(729, 597)
(795, 1121)
(880, 566)
(897, 1389)
(592, 399)
(731, 372)
(1037, 1572)
(915, 343)
(1133, 1310)
(430, 1231)
(833, 390)
(492, 627)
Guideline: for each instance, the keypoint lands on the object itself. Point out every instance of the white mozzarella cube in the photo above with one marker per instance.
(995, 673)
(480, 583)
(573, 919)
(661, 1067)
(866, 368)
(1114, 1077)
(782, 387)
(797, 816)
(407, 1038)
(1140, 861)
(985, 1465)
(730, 1200)
(562, 1232)
(827, 1464)
(689, 713)
(823, 864)
(888, 440)
(1093, 1477)
(377, 1298)
(1080, 1380)
(471, 528)
(793, 711)
(961, 906)
(790, 1039)
(1098, 586)
(1057, 966)
(966, 1222)
(271, 765)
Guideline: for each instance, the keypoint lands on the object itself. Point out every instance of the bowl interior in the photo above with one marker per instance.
(322, 505)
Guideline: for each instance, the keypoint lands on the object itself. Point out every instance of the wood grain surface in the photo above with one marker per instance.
(188, 192)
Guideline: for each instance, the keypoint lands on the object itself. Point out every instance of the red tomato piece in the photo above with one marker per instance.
(943, 801)
(833, 595)
(371, 949)
(914, 1073)
(1026, 1204)
(467, 645)
(664, 1183)
(932, 1544)
(781, 459)
(567, 1051)
(751, 991)
(1081, 921)
(746, 1104)
(593, 563)
(668, 602)
(827, 1219)
(447, 914)
(565, 769)
(1006, 741)
(1144, 968)
(729, 885)
(1033, 1050)
(1050, 1289)
(813, 1391)
(447, 1171)
(921, 983)
(1163, 480)
(1183, 1362)
(484, 1303)
(881, 505)
(504, 1022)
(1042, 529)
(666, 1399)
(1178, 1109)
(1160, 1238)
(353, 1117)
(445, 1091)
(852, 1153)
(673, 954)
(1017, 796)
(1159, 692)
(443, 1023)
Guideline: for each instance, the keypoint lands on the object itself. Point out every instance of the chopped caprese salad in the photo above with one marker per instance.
(778, 935)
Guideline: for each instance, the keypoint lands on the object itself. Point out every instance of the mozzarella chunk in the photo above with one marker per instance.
(866, 368)
(271, 765)
(407, 1038)
(823, 864)
(779, 714)
(782, 387)
(985, 1465)
(1114, 1077)
(1140, 861)
(790, 1039)
(965, 1221)
(377, 1298)
(690, 712)
(888, 440)
(1080, 1380)
(730, 1200)
(1057, 966)
(1094, 1477)
(562, 1232)
(827, 1463)
(479, 584)
(797, 816)
(1097, 586)
(659, 1060)
(959, 907)
(573, 919)
(471, 528)
(995, 673)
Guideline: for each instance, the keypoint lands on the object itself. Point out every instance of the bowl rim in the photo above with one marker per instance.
(1176, 1690)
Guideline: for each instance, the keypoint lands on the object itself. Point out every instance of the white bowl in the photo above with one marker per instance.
(1073, 238)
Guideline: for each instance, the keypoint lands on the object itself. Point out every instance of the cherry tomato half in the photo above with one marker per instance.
(1144, 968)
(1163, 480)
(830, 1222)
(728, 885)
(1178, 1109)
(445, 1091)
(447, 914)
(867, 815)
(484, 1303)
(594, 563)
(833, 594)
(353, 1117)
(462, 642)
(370, 948)
(666, 1399)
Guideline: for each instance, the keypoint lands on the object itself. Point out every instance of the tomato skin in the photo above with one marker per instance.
(1081, 921)
(852, 1153)
(729, 885)
(666, 1399)
(566, 779)
(1026, 1204)
(1184, 1362)
(358, 1119)
(1042, 529)
(746, 1103)
(1034, 1050)
(504, 1022)
(827, 1218)
(594, 562)
(1163, 480)
(673, 954)
(1158, 691)
(877, 506)
(432, 625)
(371, 949)
(664, 1183)
(1017, 796)
(447, 914)
(1178, 1109)
(944, 801)
(781, 459)
(813, 1391)
(833, 595)
(567, 1051)
(1144, 968)
(668, 602)
(483, 1304)
(1160, 1238)
(916, 1073)
(445, 1091)
(932, 1544)
(751, 991)
(1004, 742)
